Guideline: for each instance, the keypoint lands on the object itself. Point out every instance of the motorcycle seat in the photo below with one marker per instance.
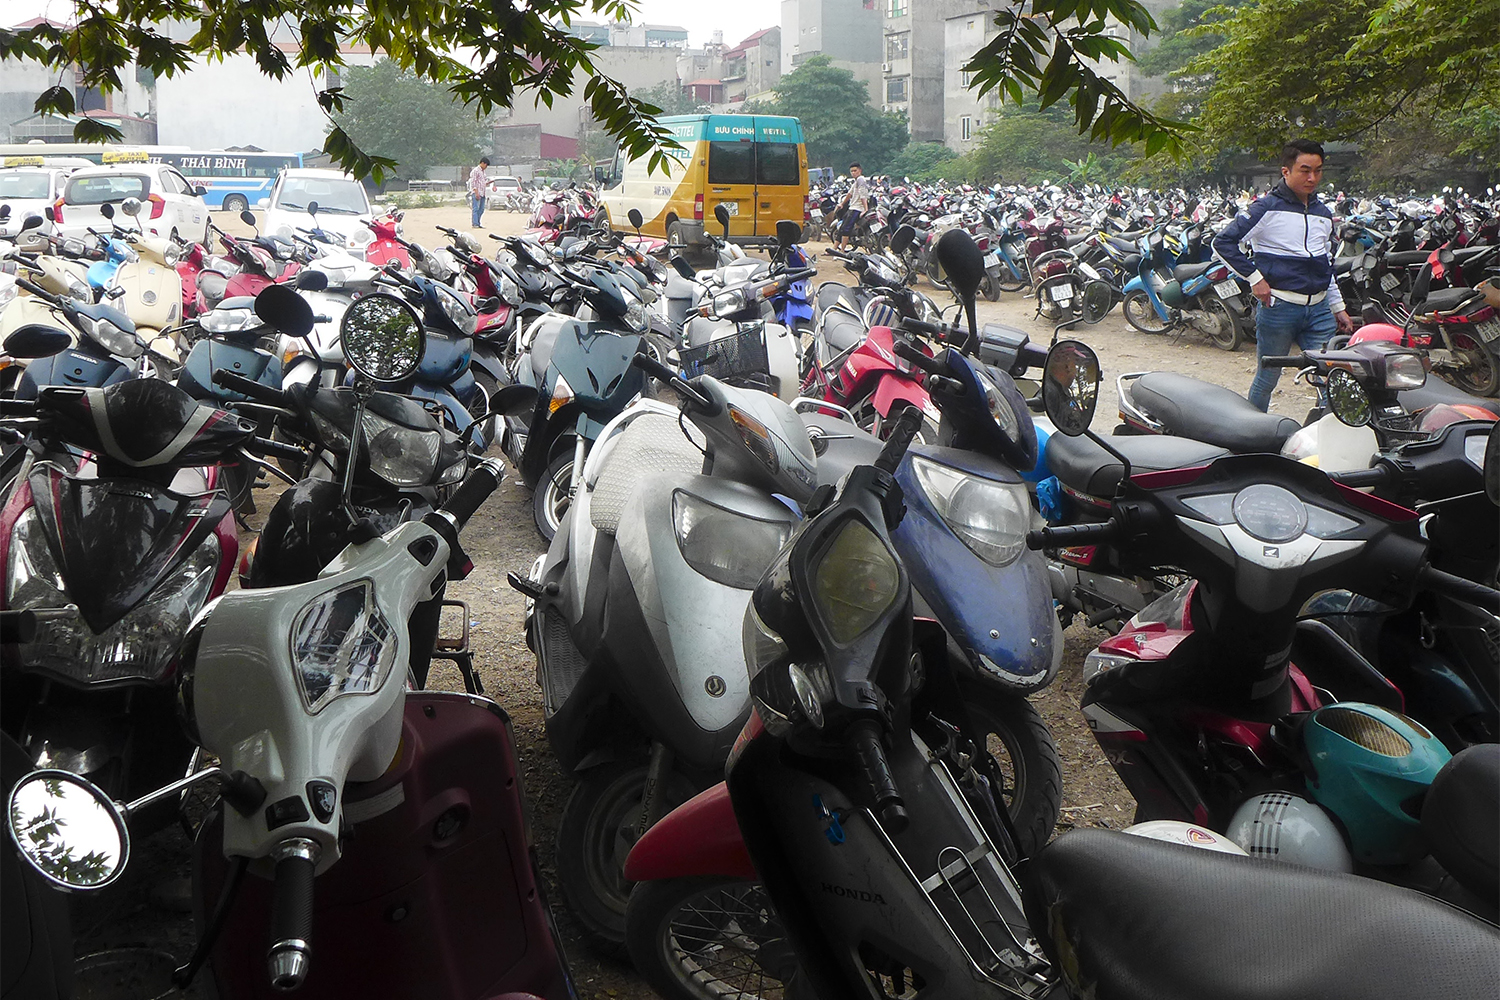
(1343, 265)
(1406, 258)
(1461, 819)
(1073, 241)
(1448, 300)
(1122, 245)
(1184, 272)
(1191, 408)
(1439, 391)
(1132, 918)
(830, 293)
(652, 442)
(1088, 468)
(1132, 262)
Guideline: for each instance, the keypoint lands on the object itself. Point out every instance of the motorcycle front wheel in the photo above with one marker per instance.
(553, 494)
(1227, 333)
(708, 938)
(1481, 376)
(990, 287)
(1014, 733)
(1141, 314)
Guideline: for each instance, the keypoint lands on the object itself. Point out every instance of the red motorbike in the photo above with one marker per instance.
(866, 379)
(387, 246)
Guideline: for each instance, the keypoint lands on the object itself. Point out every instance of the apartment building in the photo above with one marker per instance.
(846, 31)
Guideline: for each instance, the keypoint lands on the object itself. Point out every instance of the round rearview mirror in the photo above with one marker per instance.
(284, 310)
(68, 830)
(312, 208)
(963, 264)
(788, 233)
(382, 337)
(636, 219)
(1347, 399)
(107, 210)
(30, 222)
(722, 214)
(1492, 465)
(247, 217)
(1098, 299)
(901, 239)
(131, 206)
(1070, 386)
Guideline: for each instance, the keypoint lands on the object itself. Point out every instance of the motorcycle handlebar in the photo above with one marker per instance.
(474, 491)
(291, 915)
(249, 387)
(1073, 534)
(1459, 588)
(17, 407)
(684, 388)
(1377, 476)
(1285, 361)
(913, 354)
(864, 735)
(900, 439)
(17, 626)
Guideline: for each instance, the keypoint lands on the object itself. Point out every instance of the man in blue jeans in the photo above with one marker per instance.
(478, 190)
(1290, 267)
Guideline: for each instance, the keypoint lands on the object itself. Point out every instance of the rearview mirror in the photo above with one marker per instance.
(683, 268)
(1347, 399)
(30, 222)
(200, 191)
(68, 830)
(788, 233)
(901, 239)
(37, 340)
(722, 214)
(131, 207)
(247, 217)
(311, 280)
(312, 208)
(382, 337)
(107, 210)
(514, 400)
(1070, 386)
(636, 219)
(1098, 299)
(284, 310)
(50, 213)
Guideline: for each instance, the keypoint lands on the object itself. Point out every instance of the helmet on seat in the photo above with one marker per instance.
(1286, 827)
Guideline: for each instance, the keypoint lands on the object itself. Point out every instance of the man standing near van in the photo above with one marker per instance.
(1290, 269)
(478, 188)
(858, 202)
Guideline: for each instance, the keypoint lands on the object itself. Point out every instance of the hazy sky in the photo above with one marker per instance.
(700, 19)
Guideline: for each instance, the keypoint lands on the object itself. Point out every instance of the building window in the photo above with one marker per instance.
(895, 90)
(969, 24)
(896, 8)
(967, 125)
(897, 46)
(966, 77)
(333, 79)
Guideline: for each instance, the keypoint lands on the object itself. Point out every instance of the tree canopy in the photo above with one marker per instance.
(396, 114)
(488, 54)
(1028, 145)
(838, 123)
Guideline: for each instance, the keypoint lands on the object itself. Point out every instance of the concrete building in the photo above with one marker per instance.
(752, 67)
(916, 55)
(625, 34)
(847, 31)
(637, 67)
(22, 81)
(964, 112)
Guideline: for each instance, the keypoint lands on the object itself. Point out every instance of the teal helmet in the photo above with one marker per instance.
(1171, 294)
(1370, 768)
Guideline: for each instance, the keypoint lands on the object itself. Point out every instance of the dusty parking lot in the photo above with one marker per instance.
(147, 910)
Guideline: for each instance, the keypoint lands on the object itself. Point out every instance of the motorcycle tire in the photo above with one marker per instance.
(709, 937)
(1022, 745)
(1482, 375)
(550, 499)
(594, 836)
(990, 287)
(1008, 282)
(1141, 314)
(1228, 334)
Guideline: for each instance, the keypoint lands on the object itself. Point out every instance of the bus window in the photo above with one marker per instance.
(776, 163)
(731, 163)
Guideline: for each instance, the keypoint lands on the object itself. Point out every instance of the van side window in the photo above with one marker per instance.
(776, 163)
(731, 163)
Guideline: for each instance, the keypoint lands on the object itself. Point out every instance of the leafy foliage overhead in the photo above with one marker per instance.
(396, 114)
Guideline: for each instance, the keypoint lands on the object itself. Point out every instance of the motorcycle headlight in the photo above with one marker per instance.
(229, 320)
(725, 546)
(510, 292)
(1003, 413)
(171, 256)
(635, 317)
(341, 645)
(141, 645)
(1404, 371)
(782, 691)
(400, 455)
(458, 314)
(8, 292)
(728, 303)
(361, 238)
(855, 582)
(110, 337)
(990, 518)
(79, 289)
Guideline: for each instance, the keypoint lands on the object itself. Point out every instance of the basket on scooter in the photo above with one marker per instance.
(738, 359)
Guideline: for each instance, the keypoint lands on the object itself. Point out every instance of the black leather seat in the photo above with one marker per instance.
(1439, 391)
(1075, 239)
(1461, 819)
(840, 329)
(1124, 246)
(1448, 300)
(1183, 272)
(1406, 258)
(1135, 919)
(1088, 468)
(1343, 265)
(1192, 408)
(1131, 263)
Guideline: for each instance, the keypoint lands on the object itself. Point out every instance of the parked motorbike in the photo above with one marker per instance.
(1165, 295)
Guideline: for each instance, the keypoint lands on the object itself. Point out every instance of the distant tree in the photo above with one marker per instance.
(1027, 145)
(838, 123)
(926, 162)
(671, 98)
(394, 113)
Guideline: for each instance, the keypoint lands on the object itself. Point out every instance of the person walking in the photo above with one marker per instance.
(858, 202)
(478, 188)
(1290, 266)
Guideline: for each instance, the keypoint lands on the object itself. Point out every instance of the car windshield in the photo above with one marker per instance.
(23, 184)
(336, 196)
(98, 189)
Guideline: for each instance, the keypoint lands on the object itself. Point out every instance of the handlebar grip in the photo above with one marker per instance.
(1285, 361)
(17, 626)
(290, 954)
(474, 490)
(34, 288)
(1073, 534)
(266, 446)
(922, 326)
(1377, 476)
(889, 806)
(248, 387)
(900, 439)
(653, 367)
(17, 407)
(1460, 588)
(917, 357)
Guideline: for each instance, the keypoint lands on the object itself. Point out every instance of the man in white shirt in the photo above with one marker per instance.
(478, 188)
(858, 202)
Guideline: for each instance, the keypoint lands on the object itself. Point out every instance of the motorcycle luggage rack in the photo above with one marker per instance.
(739, 359)
(956, 878)
(456, 649)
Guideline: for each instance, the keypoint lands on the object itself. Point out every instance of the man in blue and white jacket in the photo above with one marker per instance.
(1290, 267)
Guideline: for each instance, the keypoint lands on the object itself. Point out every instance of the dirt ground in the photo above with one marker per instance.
(149, 910)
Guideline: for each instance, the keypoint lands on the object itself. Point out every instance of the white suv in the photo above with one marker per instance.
(28, 191)
(169, 204)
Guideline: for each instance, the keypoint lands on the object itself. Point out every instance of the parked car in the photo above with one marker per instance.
(502, 188)
(343, 207)
(26, 191)
(169, 204)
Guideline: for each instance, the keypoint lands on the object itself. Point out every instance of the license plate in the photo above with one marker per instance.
(876, 227)
(1489, 330)
(1227, 289)
(817, 213)
(1061, 293)
(1389, 281)
(732, 207)
(997, 258)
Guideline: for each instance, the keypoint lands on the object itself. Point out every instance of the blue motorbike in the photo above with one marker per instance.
(1166, 295)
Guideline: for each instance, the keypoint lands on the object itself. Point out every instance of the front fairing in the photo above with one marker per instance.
(224, 354)
(445, 357)
(77, 367)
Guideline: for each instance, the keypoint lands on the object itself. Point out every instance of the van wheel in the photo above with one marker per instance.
(236, 203)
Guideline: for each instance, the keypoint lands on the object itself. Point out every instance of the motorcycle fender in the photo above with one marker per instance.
(489, 362)
(1135, 284)
(891, 388)
(699, 837)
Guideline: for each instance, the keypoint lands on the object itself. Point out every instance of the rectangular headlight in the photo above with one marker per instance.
(990, 518)
(1404, 371)
(724, 545)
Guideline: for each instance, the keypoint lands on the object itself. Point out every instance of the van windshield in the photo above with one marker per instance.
(336, 195)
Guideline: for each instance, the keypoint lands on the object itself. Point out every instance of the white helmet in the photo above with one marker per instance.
(1286, 827)
(1176, 832)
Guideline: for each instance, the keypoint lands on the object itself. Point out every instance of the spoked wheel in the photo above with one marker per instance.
(990, 287)
(709, 938)
(1481, 376)
(1009, 282)
(550, 499)
(1226, 332)
(1018, 739)
(1141, 314)
(600, 824)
